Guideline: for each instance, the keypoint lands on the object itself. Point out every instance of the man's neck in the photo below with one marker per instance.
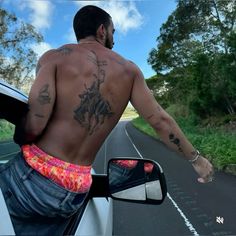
(91, 40)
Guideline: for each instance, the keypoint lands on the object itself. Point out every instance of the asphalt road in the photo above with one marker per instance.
(190, 208)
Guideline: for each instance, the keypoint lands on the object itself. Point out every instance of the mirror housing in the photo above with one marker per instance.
(136, 180)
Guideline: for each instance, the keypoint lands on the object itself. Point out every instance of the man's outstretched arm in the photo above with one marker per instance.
(166, 127)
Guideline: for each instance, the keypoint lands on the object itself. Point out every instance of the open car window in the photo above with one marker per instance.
(13, 103)
(10, 91)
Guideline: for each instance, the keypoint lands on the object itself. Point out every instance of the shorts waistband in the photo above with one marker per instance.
(72, 177)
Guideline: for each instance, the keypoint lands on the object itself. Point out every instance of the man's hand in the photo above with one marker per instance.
(204, 169)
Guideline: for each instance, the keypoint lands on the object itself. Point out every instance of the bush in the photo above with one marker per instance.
(6, 130)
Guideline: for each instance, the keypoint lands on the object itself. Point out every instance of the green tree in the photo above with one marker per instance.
(17, 59)
(195, 25)
(196, 49)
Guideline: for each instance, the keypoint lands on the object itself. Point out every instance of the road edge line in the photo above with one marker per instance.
(186, 220)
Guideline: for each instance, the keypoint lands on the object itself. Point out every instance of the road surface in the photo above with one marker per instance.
(190, 208)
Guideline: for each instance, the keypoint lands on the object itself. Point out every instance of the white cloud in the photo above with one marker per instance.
(41, 48)
(41, 14)
(125, 14)
(70, 36)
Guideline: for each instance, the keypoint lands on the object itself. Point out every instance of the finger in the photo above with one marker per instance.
(205, 180)
(201, 180)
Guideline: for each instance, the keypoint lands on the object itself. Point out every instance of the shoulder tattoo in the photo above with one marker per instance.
(64, 51)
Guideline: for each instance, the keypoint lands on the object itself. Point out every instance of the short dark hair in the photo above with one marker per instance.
(88, 19)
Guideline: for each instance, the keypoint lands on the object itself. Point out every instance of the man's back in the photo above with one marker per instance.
(92, 88)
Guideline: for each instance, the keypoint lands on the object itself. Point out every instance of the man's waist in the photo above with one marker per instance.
(73, 177)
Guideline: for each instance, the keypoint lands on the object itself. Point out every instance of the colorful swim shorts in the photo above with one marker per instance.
(72, 177)
(126, 163)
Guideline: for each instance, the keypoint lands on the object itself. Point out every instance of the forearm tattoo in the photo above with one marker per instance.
(93, 108)
(39, 115)
(176, 141)
(152, 115)
(44, 95)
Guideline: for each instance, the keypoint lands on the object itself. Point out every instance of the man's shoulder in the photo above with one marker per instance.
(66, 49)
(54, 53)
(116, 57)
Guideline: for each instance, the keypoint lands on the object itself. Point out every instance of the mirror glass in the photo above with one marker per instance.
(135, 179)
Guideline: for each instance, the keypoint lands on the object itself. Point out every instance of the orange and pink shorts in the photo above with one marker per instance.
(72, 177)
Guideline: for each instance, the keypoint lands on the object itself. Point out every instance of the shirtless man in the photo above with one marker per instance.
(79, 95)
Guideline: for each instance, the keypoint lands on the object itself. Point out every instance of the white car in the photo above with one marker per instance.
(143, 183)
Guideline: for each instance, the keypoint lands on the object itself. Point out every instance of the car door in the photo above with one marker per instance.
(94, 218)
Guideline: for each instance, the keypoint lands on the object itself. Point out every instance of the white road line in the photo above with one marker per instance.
(186, 220)
(136, 149)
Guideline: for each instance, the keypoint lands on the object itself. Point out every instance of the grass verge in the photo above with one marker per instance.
(129, 113)
(6, 130)
(217, 145)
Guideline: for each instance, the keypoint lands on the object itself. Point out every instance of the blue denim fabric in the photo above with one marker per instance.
(121, 177)
(37, 205)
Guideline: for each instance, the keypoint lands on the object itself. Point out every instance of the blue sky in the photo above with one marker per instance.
(137, 24)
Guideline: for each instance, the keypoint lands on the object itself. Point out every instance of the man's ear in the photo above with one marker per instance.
(101, 31)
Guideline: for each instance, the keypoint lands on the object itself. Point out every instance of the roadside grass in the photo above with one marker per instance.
(129, 113)
(6, 130)
(217, 145)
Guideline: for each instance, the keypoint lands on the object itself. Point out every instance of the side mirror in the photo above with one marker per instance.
(136, 180)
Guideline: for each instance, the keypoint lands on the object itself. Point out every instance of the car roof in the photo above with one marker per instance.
(10, 91)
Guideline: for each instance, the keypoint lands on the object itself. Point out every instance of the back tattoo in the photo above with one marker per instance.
(93, 108)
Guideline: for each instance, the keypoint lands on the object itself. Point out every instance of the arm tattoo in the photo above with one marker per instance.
(64, 51)
(93, 108)
(38, 68)
(44, 96)
(149, 117)
(39, 116)
(176, 141)
(158, 109)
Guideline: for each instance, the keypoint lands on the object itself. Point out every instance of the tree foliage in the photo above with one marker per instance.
(196, 49)
(17, 59)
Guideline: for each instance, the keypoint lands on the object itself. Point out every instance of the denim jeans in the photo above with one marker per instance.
(121, 178)
(37, 205)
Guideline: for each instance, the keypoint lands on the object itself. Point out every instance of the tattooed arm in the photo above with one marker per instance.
(166, 127)
(41, 101)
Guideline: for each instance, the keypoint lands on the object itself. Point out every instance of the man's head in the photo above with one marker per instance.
(93, 21)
